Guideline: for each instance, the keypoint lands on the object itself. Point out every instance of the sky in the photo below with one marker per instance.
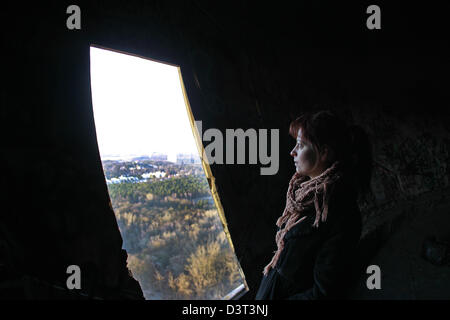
(138, 106)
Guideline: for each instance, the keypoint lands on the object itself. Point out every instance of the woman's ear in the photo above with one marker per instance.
(327, 154)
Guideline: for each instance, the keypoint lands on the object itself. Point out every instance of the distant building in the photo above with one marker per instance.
(123, 179)
(157, 174)
(183, 158)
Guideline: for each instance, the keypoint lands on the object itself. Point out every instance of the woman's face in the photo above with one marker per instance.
(306, 159)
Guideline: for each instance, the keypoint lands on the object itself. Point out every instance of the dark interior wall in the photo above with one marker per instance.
(244, 66)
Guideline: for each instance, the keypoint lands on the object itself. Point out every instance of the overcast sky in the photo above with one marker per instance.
(138, 106)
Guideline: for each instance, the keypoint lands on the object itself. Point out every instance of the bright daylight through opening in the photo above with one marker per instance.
(171, 223)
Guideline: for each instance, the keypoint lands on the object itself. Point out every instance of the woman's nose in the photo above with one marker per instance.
(293, 153)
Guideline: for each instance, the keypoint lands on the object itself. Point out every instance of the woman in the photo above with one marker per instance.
(320, 227)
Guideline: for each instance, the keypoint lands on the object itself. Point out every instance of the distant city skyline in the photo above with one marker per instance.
(138, 107)
(151, 155)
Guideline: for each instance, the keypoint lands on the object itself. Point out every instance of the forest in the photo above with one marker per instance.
(176, 245)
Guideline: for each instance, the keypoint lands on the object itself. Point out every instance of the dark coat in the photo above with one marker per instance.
(316, 262)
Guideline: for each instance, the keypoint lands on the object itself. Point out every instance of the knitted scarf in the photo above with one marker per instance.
(302, 194)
